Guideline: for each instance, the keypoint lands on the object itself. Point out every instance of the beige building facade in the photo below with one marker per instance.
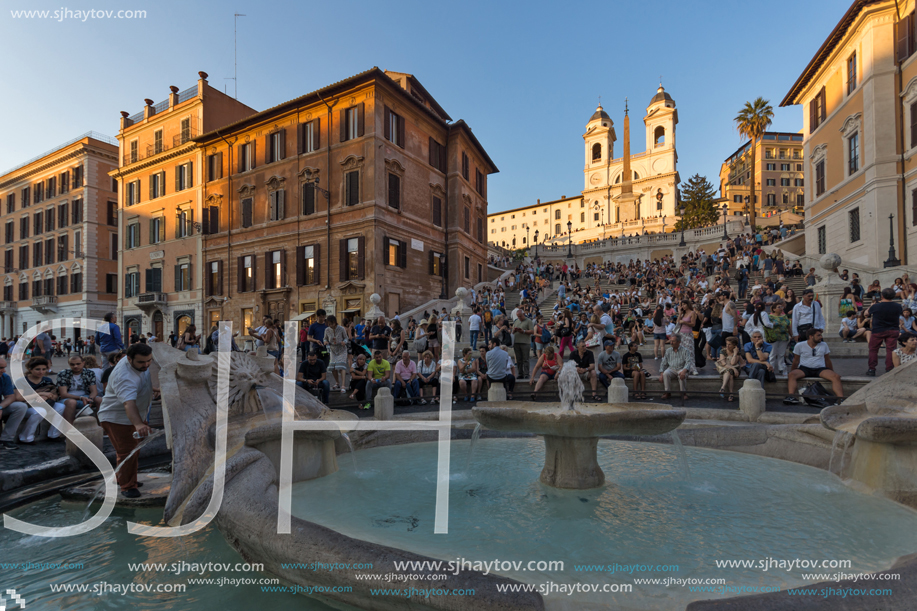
(779, 175)
(58, 211)
(859, 96)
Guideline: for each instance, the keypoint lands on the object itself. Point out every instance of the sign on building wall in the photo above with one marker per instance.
(417, 244)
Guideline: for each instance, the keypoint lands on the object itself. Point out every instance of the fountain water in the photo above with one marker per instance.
(838, 435)
(474, 437)
(350, 447)
(570, 386)
(146, 440)
(682, 456)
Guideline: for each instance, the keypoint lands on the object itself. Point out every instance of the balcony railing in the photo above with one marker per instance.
(7, 306)
(151, 298)
(185, 136)
(45, 300)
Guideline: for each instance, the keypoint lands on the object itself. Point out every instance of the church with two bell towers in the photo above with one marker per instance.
(627, 195)
(632, 187)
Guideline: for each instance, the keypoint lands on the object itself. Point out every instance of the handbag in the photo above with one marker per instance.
(594, 341)
(817, 395)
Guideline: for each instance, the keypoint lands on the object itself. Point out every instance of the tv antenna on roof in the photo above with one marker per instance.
(235, 56)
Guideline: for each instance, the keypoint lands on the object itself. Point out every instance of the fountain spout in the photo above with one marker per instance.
(570, 386)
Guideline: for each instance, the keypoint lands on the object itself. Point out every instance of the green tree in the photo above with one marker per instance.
(752, 121)
(697, 197)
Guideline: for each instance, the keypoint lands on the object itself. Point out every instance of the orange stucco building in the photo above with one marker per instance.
(160, 184)
(364, 186)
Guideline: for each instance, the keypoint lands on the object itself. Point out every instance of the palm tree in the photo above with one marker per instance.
(752, 121)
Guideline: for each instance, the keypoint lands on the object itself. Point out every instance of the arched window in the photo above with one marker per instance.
(557, 215)
(659, 136)
(582, 217)
(618, 179)
(636, 176)
(596, 152)
(557, 229)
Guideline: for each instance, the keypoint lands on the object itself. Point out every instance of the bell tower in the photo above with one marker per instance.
(599, 142)
(660, 120)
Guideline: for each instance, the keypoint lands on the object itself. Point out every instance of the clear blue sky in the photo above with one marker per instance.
(525, 75)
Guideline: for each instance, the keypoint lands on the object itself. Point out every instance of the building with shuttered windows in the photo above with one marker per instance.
(56, 212)
(162, 219)
(364, 186)
(859, 100)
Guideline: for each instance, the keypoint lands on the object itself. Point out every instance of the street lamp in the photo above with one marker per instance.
(892, 259)
(527, 242)
(569, 239)
(725, 212)
(681, 210)
(536, 243)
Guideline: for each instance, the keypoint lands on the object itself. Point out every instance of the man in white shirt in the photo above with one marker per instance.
(812, 361)
(807, 315)
(127, 399)
(474, 325)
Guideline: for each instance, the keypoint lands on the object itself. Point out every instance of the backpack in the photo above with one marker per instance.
(545, 335)
(488, 316)
(740, 272)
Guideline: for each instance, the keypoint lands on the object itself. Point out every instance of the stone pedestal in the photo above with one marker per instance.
(617, 391)
(752, 399)
(496, 392)
(89, 427)
(829, 291)
(384, 404)
(374, 311)
(570, 462)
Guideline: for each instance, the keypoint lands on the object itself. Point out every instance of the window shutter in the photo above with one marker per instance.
(403, 254)
(268, 276)
(300, 138)
(177, 278)
(283, 144)
(177, 178)
(268, 149)
(283, 268)
(401, 141)
(190, 174)
(388, 123)
(902, 34)
(148, 278)
(300, 265)
(360, 119)
(214, 219)
(431, 263)
(253, 153)
(914, 206)
(162, 183)
(361, 257)
(431, 155)
(317, 254)
(241, 167)
(914, 124)
(240, 274)
(220, 277)
(162, 229)
(280, 210)
(385, 248)
(127, 285)
(316, 134)
(342, 254)
(152, 195)
(824, 106)
(343, 118)
(205, 224)
(153, 231)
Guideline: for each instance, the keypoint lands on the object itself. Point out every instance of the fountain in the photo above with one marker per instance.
(571, 430)
(880, 422)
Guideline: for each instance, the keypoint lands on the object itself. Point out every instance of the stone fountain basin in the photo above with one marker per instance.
(879, 425)
(592, 420)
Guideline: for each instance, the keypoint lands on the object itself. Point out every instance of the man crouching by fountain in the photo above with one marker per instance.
(127, 396)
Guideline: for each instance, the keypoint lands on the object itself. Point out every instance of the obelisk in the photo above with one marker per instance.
(627, 201)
